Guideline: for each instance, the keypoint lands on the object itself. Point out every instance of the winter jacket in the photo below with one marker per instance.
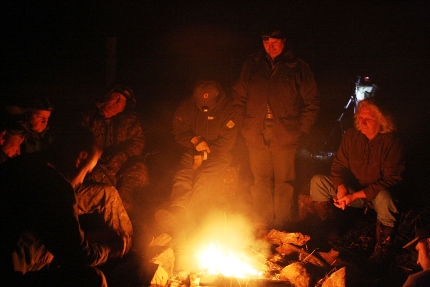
(291, 92)
(121, 137)
(369, 165)
(35, 141)
(217, 126)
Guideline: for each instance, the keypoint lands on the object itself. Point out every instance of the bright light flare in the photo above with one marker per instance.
(214, 259)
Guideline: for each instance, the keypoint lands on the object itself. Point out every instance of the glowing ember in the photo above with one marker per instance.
(215, 260)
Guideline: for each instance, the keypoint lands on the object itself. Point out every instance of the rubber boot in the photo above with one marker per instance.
(384, 238)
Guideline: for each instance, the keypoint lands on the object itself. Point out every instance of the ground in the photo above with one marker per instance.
(355, 241)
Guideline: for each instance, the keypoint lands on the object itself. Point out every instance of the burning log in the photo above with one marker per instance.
(281, 238)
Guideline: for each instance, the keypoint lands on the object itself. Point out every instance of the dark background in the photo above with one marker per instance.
(59, 50)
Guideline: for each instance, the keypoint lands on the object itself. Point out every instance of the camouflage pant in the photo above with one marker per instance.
(132, 176)
(104, 199)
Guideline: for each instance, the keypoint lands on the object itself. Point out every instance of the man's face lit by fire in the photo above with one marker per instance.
(423, 249)
(368, 122)
(11, 145)
(273, 46)
(39, 120)
(114, 105)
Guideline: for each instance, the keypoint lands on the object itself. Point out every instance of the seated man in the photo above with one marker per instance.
(12, 135)
(116, 125)
(102, 199)
(40, 217)
(368, 163)
(421, 244)
(34, 116)
(204, 124)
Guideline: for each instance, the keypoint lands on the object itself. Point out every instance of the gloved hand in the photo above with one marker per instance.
(203, 146)
(200, 144)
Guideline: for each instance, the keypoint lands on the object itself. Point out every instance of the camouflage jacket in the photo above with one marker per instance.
(121, 137)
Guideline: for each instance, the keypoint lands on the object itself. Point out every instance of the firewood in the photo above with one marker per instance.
(280, 238)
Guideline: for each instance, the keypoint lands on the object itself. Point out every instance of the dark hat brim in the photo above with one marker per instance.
(411, 244)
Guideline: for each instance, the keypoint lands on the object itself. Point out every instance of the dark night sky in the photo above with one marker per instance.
(59, 50)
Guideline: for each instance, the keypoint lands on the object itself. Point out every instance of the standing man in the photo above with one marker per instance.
(420, 244)
(368, 163)
(278, 100)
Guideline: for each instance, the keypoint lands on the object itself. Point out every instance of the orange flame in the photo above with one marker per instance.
(214, 259)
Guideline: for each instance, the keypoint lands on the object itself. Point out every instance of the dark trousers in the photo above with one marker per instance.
(272, 189)
(193, 189)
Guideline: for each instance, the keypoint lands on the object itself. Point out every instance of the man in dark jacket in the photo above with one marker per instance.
(42, 243)
(205, 126)
(367, 165)
(278, 101)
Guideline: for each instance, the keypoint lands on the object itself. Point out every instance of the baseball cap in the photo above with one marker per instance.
(206, 94)
(420, 234)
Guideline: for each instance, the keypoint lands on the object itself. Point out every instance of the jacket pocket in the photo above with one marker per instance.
(252, 130)
(288, 131)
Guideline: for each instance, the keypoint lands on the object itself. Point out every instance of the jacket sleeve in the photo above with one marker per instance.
(340, 169)
(392, 167)
(228, 132)
(134, 143)
(182, 129)
(239, 92)
(311, 98)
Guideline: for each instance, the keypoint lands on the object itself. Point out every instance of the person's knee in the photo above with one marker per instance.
(317, 185)
(383, 200)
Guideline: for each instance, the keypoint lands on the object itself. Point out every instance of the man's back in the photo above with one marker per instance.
(38, 210)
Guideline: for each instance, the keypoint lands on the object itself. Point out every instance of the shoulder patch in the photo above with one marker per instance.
(230, 124)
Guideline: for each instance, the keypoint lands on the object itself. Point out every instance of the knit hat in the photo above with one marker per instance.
(206, 94)
(40, 103)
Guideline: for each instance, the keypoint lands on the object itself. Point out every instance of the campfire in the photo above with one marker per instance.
(224, 253)
(216, 259)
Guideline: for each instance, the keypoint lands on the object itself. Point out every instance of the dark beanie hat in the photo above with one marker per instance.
(40, 103)
(206, 94)
(272, 33)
